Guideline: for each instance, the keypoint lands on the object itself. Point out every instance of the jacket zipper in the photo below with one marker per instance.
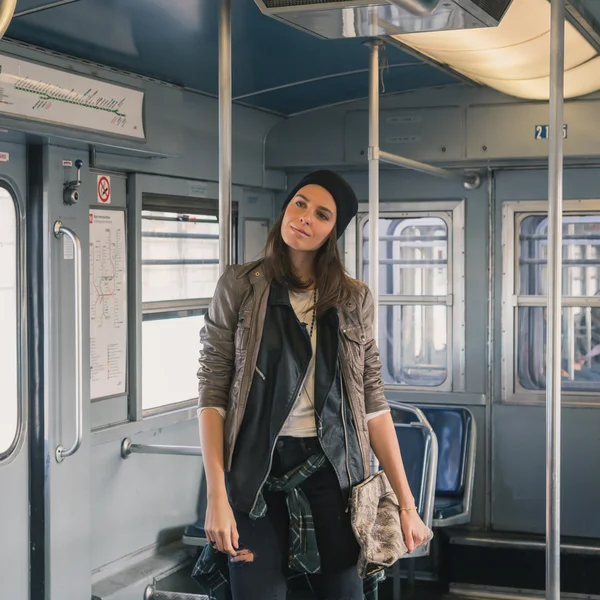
(296, 392)
(346, 442)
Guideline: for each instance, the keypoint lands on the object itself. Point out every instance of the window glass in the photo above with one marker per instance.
(180, 270)
(9, 322)
(170, 354)
(413, 256)
(581, 257)
(580, 352)
(413, 344)
(413, 335)
(180, 256)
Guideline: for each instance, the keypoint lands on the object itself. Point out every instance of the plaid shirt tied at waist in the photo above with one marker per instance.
(212, 569)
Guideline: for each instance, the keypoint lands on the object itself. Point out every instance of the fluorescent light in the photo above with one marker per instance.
(514, 57)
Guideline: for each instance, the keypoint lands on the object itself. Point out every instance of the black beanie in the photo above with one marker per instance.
(343, 195)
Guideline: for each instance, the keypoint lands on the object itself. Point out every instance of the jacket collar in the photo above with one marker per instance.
(278, 294)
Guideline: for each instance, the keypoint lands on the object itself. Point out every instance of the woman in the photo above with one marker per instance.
(291, 372)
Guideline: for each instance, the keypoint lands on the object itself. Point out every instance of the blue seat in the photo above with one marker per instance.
(455, 430)
(418, 445)
(415, 442)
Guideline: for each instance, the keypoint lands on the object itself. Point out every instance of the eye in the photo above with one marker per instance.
(300, 203)
(323, 216)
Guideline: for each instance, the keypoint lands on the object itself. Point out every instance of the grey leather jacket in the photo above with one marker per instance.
(230, 342)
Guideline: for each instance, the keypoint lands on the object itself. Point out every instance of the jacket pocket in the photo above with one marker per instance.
(354, 339)
(355, 334)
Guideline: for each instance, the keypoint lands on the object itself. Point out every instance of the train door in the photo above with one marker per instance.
(85, 378)
(519, 415)
(14, 451)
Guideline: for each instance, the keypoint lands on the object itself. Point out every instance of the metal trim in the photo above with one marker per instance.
(425, 207)
(458, 266)
(453, 214)
(465, 590)
(8, 455)
(513, 213)
(491, 356)
(128, 448)
(225, 134)
(37, 9)
(523, 543)
(158, 306)
(465, 515)
(135, 200)
(61, 452)
(470, 180)
(584, 22)
(540, 301)
(164, 409)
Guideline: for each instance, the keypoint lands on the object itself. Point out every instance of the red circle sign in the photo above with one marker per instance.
(103, 189)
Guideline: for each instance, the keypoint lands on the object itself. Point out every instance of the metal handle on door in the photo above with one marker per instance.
(61, 451)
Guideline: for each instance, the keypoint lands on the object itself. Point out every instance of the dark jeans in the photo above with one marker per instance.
(266, 539)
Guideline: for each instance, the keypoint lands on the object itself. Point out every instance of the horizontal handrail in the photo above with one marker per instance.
(470, 181)
(412, 409)
(128, 448)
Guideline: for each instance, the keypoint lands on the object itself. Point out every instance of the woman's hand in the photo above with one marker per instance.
(414, 530)
(220, 526)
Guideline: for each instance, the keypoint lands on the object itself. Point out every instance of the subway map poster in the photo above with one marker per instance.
(32, 91)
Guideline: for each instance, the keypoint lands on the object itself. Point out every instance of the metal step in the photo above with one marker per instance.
(151, 593)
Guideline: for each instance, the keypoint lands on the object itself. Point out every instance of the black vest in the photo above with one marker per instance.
(283, 359)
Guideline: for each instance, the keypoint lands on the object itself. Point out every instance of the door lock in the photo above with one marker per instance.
(71, 188)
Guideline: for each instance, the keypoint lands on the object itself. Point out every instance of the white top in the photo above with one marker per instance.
(301, 420)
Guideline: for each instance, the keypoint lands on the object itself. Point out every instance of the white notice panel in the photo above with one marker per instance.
(32, 91)
(108, 304)
(255, 238)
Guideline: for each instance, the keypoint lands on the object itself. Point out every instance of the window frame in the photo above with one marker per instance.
(8, 455)
(168, 309)
(453, 214)
(514, 212)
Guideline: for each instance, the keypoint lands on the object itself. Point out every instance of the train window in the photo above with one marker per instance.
(180, 256)
(580, 323)
(180, 269)
(9, 322)
(415, 298)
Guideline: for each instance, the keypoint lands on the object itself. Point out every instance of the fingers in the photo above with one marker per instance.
(235, 536)
(410, 542)
(415, 538)
(225, 542)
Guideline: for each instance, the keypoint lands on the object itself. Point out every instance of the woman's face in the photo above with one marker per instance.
(309, 219)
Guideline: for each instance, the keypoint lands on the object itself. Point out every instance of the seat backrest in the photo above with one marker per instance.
(452, 427)
(415, 446)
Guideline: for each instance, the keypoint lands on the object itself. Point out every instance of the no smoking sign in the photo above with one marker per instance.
(104, 189)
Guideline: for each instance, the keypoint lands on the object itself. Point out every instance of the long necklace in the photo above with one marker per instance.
(314, 313)
(312, 328)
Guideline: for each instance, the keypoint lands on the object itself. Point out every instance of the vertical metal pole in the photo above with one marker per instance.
(374, 45)
(374, 180)
(553, 354)
(225, 134)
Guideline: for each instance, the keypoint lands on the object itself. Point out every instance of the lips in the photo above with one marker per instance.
(300, 231)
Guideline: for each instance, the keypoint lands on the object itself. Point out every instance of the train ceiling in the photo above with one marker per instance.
(274, 66)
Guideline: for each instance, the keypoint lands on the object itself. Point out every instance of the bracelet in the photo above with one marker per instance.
(401, 508)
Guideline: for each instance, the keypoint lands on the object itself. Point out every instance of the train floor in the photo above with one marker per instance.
(421, 591)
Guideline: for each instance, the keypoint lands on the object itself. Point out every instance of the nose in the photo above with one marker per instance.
(305, 219)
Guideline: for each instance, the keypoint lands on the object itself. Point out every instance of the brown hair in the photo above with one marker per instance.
(335, 286)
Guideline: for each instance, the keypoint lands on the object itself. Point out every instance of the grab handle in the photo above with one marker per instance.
(61, 451)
